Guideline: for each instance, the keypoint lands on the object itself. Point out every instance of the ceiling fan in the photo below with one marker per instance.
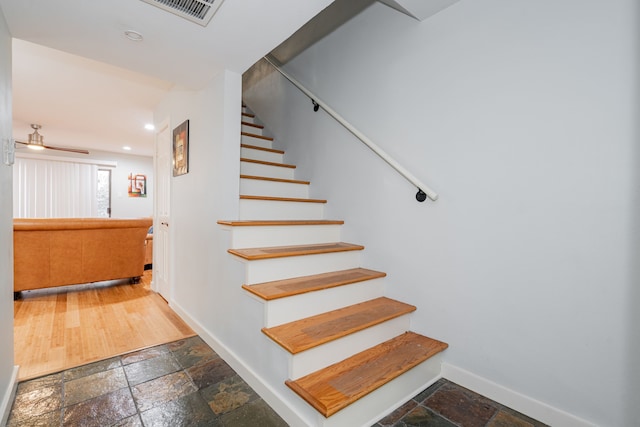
(36, 142)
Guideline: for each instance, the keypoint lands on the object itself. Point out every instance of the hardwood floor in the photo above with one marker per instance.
(61, 328)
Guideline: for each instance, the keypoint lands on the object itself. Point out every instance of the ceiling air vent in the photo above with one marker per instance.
(198, 11)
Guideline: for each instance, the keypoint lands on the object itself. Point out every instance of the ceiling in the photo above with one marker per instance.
(76, 74)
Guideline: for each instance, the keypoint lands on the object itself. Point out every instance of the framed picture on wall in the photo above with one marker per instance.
(181, 149)
(137, 185)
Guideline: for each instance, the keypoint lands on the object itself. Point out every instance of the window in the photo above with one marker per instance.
(104, 193)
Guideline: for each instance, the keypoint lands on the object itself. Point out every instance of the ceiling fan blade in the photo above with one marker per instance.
(70, 150)
(50, 147)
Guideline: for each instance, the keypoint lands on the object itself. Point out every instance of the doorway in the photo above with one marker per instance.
(103, 193)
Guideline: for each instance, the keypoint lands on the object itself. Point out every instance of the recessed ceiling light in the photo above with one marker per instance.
(126, 148)
(149, 126)
(133, 35)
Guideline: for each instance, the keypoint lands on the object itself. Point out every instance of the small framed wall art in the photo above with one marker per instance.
(137, 185)
(181, 149)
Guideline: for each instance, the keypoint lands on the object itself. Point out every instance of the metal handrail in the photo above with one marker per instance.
(423, 190)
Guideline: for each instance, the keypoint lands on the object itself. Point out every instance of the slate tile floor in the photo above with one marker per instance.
(446, 404)
(185, 383)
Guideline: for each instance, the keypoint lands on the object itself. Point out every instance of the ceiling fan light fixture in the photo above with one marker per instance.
(36, 141)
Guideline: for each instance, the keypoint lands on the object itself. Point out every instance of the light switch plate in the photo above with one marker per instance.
(8, 151)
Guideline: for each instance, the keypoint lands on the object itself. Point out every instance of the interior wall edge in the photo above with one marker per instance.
(9, 395)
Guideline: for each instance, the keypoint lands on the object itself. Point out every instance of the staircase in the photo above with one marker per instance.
(349, 349)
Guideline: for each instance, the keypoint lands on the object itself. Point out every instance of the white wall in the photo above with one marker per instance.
(8, 372)
(521, 115)
(206, 279)
(123, 206)
(208, 192)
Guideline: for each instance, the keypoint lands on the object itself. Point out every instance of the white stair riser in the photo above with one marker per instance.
(257, 187)
(283, 235)
(265, 156)
(257, 169)
(258, 142)
(320, 357)
(375, 406)
(252, 129)
(269, 209)
(285, 310)
(248, 119)
(267, 270)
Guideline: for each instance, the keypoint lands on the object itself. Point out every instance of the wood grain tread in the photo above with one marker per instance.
(266, 223)
(252, 124)
(262, 162)
(255, 147)
(300, 285)
(295, 250)
(265, 178)
(337, 386)
(281, 199)
(313, 331)
(268, 138)
(249, 115)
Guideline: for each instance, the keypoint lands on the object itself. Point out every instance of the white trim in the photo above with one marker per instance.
(530, 407)
(163, 124)
(101, 163)
(271, 396)
(9, 395)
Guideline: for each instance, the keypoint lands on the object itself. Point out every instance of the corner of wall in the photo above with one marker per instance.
(8, 372)
(9, 395)
(525, 404)
(271, 396)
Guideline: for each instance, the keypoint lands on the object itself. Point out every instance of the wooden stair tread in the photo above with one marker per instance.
(313, 331)
(256, 136)
(258, 223)
(255, 147)
(337, 386)
(282, 199)
(265, 178)
(262, 162)
(252, 124)
(295, 250)
(299, 285)
(248, 115)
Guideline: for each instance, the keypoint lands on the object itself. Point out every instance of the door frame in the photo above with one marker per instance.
(164, 126)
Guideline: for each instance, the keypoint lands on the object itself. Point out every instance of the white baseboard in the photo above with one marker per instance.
(269, 395)
(9, 395)
(512, 399)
